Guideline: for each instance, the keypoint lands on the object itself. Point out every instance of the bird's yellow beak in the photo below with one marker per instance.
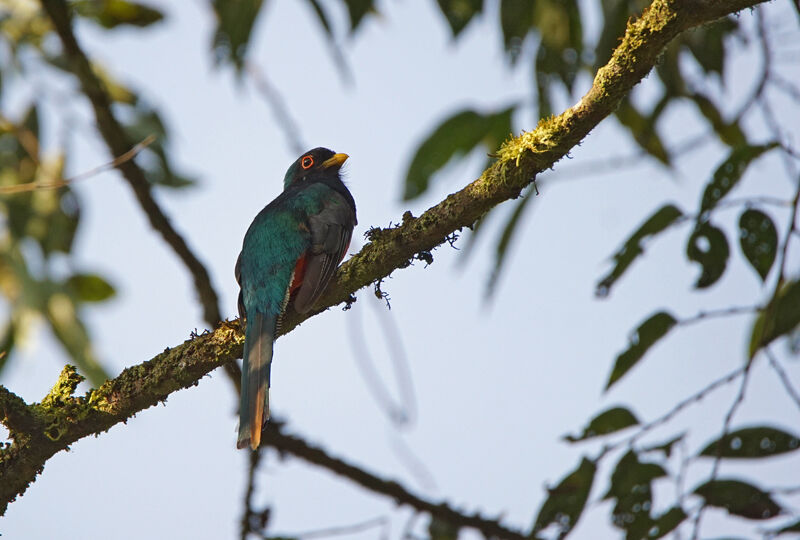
(336, 161)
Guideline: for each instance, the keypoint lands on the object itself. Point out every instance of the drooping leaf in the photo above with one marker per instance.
(561, 47)
(566, 501)
(707, 44)
(643, 129)
(729, 173)
(663, 218)
(708, 247)
(456, 136)
(609, 421)
(506, 236)
(645, 336)
(631, 486)
(358, 9)
(728, 132)
(516, 20)
(89, 288)
(459, 13)
(112, 13)
(779, 318)
(666, 522)
(754, 442)
(439, 529)
(154, 159)
(322, 16)
(739, 498)
(235, 19)
(7, 343)
(759, 240)
(67, 327)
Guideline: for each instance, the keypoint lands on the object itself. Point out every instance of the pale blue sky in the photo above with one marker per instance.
(497, 384)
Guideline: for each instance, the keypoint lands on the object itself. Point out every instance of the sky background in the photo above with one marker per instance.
(496, 383)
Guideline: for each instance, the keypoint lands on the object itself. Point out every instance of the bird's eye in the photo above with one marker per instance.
(307, 162)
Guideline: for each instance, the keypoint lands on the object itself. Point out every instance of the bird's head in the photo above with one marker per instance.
(314, 164)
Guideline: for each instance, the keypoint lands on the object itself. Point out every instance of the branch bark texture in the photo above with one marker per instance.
(40, 430)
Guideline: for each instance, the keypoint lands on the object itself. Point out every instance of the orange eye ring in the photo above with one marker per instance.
(307, 162)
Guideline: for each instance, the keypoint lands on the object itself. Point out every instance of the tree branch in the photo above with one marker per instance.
(62, 421)
(118, 144)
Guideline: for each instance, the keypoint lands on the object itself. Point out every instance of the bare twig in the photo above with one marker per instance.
(254, 522)
(55, 184)
(783, 376)
(381, 522)
(717, 313)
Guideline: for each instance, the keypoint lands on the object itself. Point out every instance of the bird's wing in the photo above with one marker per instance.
(331, 230)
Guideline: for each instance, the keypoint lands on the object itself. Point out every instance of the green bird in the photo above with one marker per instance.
(289, 254)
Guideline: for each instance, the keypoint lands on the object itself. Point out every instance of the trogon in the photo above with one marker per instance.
(289, 254)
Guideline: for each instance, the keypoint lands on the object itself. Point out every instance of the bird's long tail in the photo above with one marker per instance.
(254, 407)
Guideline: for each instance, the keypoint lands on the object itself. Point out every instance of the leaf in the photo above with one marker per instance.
(7, 343)
(707, 44)
(739, 498)
(90, 288)
(154, 159)
(728, 132)
(631, 487)
(663, 218)
(566, 501)
(456, 136)
(614, 419)
(645, 336)
(505, 239)
(516, 20)
(459, 13)
(728, 174)
(560, 27)
(759, 240)
(112, 13)
(323, 18)
(779, 318)
(708, 246)
(71, 332)
(754, 442)
(358, 9)
(439, 529)
(643, 129)
(667, 522)
(235, 19)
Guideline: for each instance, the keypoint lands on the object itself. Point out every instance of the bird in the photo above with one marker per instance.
(289, 254)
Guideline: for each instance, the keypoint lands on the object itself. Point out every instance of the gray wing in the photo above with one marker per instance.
(331, 230)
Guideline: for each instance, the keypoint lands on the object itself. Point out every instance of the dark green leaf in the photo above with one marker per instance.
(707, 44)
(728, 132)
(755, 442)
(632, 248)
(7, 343)
(358, 9)
(505, 239)
(112, 13)
(323, 18)
(454, 137)
(606, 422)
(631, 487)
(235, 19)
(459, 13)
(643, 130)
(759, 240)
(439, 529)
(645, 336)
(729, 173)
(666, 523)
(90, 288)
(566, 501)
(790, 528)
(780, 317)
(560, 27)
(516, 20)
(154, 159)
(739, 498)
(708, 246)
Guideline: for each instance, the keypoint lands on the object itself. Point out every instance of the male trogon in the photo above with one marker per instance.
(289, 254)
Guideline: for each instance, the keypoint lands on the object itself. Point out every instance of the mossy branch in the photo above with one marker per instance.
(38, 431)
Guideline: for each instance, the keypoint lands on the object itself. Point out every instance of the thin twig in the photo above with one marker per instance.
(55, 184)
(381, 521)
(726, 426)
(278, 107)
(717, 313)
(783, 376)
(252, 521)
